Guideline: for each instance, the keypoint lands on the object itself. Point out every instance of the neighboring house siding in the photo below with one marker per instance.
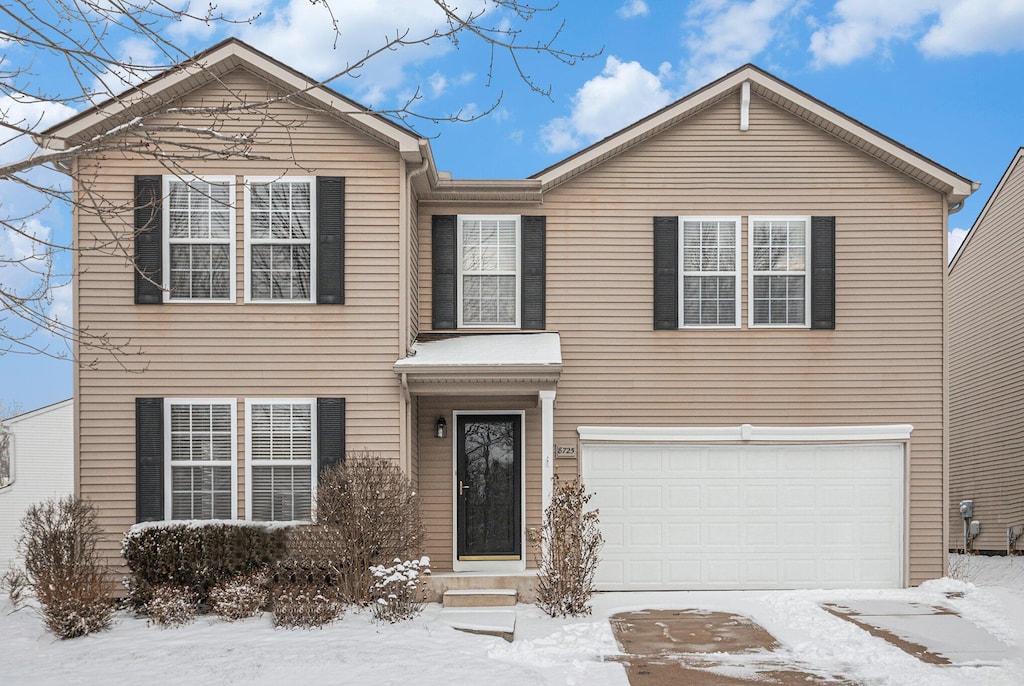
(43, 468)
(883, 363)
(986, 369)
(245, 350)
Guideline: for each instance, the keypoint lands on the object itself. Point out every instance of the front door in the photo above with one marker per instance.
(488, 491)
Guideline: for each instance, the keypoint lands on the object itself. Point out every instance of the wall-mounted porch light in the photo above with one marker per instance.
(441, 428)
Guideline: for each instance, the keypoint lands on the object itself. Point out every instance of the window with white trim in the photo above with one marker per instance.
(709, 274)
(489, 270)
(6, 458)
(779, 283)
(199, 254)
(201, 473)
(280, 459)
(280, 250)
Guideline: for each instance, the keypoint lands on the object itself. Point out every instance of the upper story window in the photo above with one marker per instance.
(709, 273)
(199, 254)
(280, 250)
(200, 475)
(280, 459)
(489, 271)
(779, 283)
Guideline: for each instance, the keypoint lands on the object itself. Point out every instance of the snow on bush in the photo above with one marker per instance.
(306, 605)
(569, 542)
(241, 597)
(171, 605)
(367, 515)
(62, 567)
(399, 590)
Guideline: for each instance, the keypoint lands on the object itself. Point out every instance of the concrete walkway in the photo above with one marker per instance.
(931, 633)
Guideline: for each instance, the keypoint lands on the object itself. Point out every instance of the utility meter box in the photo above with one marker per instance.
(967, 509)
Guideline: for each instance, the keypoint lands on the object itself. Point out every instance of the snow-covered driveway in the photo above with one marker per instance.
(545, 651)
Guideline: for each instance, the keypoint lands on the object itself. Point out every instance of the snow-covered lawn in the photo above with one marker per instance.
(354, 650)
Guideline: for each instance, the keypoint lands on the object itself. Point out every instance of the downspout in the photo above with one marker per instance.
(405, 204)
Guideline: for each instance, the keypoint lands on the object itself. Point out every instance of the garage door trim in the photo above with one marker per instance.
(747, 432)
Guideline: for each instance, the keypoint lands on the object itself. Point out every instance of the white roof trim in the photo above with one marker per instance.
(861, 136)
(745, 432)
(232, 53)
(492, 350)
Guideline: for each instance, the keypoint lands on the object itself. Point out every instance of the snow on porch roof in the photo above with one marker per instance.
(497, 349)
(501, 362)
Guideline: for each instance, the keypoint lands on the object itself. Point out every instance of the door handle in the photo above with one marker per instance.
(462, 487)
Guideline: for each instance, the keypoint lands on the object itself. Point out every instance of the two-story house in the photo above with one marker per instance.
(727, 318)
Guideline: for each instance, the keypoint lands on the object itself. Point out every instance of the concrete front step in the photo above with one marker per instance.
(480, 597)
(489, 621)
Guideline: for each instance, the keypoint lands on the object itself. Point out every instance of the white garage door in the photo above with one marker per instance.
(747, 516)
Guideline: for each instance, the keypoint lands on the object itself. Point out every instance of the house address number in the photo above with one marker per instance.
(565, 451)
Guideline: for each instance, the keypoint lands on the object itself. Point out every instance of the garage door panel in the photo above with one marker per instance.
(785, 516)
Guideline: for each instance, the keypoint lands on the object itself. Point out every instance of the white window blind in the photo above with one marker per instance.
(201, 442)
(489, 271)
(281, 459)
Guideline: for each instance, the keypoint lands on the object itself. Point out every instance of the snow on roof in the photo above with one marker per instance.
(496, 349)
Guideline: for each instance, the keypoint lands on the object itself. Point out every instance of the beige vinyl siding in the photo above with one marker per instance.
(437, 466)
(239, 350)
(882, 365)
(986, 369)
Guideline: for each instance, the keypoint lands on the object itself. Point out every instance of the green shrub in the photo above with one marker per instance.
(198, 556)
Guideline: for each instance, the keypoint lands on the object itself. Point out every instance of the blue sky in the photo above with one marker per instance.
(940, 76)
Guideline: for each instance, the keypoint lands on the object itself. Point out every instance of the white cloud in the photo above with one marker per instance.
(726, 35)
(61, 298)
(971, 26)
(437, 83)
(956, 239)
(940, 28)
(139, 60)
(633, 8)
(301, 34)
(23, 257)
(36, 115)
(622, 93)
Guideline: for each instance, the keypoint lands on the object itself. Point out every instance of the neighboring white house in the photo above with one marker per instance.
(39, 463)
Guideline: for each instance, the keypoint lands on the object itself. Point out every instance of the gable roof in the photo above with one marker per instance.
(36, 412)
(206, 67)
(1014, 165)
(785, 96)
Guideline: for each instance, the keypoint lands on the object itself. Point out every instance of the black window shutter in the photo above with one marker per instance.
(823, 272)
(149, 459)
(330, 432)
(666, 272)
(443, 262)
(330, 240)
(148, 241)
(533, 263)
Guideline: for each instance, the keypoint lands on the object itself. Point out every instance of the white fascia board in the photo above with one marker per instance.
(745, 432)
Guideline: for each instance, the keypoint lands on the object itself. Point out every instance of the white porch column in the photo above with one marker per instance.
(547, 438)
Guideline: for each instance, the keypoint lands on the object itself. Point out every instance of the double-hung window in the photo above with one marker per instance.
(280, 459)
(489, 271)
(280, 250)
(200, 475)
(779, 282)
(199, 259)
(709, 292)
